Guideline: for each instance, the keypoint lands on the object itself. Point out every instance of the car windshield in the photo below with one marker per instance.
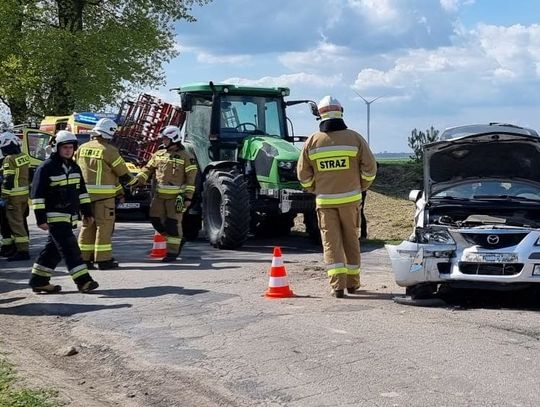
(491, 189)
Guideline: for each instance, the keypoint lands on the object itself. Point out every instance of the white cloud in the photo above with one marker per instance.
(206, 58)
(323, 55)
(483, 63)
(289, 80)
(454, 5)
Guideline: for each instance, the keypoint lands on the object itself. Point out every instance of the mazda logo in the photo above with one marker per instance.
(493, 239)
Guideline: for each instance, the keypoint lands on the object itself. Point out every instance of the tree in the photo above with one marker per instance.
(417, 139)
(57, 56)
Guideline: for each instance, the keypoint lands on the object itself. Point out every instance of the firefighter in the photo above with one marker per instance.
(337, 165)
(103, 169)
(8, 248)
(175, 171)
(15, 192)
(58, 194)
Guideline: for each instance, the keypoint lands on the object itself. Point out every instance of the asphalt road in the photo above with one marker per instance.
(200, 332)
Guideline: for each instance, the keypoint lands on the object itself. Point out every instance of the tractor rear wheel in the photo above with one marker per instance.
(226, 212)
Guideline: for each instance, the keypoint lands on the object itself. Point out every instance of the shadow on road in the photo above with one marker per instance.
(149, 292)
(56, 308)
(527, 299)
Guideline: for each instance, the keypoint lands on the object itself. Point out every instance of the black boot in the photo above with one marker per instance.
(169, 258)
(86, 283)
(19, 256)
(8, 250)
(90, 265)
(338, 293)
(107, 265)
(40, 284)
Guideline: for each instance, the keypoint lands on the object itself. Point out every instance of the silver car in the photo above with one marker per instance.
(477, 221)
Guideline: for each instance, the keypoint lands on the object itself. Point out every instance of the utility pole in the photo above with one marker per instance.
(368, 105)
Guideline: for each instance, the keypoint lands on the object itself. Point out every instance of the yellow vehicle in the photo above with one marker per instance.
(36, 143)
(77, 123)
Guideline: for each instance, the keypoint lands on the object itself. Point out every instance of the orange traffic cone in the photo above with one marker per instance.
(159, 247)
(278, 286)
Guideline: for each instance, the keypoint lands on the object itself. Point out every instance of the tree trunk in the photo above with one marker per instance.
(61, 100)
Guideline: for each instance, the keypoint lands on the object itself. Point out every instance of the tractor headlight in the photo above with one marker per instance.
(286, 165)
(434, 236)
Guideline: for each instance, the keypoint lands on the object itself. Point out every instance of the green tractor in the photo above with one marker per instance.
(247, 164)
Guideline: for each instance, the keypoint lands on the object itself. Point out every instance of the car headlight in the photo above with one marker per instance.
(434, 236)
(286, 165)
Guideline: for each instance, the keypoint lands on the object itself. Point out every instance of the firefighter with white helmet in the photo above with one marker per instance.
(337, 165)
(14, 198)
(58, 196)
(175, 170)
(103, 170)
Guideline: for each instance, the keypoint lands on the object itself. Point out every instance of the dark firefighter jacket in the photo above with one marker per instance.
(59, 192)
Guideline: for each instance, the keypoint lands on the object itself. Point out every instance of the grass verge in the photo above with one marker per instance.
(13, 394)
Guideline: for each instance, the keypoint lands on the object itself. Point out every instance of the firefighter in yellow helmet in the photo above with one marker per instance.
(337, 165)
(14, 197)
(103, 170)
(175, 170)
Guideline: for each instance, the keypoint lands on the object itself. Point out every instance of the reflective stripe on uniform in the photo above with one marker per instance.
(84, 198)
(174, 240)
(7, 241)
(21, 239)
(78, 271)
(191, 168)
(332, 151)
(38, 203)
(308, 183)
(335, 199)
(117, 162)
(168, 189)
(190, 188)
(86, 247)
(335, 269)
(103, 189)
(19, 191)
(103, 247)
(368, 177)
(352, 269)
(55, 217)
(40, 270)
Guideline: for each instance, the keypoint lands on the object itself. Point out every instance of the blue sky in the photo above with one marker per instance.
(433, 62)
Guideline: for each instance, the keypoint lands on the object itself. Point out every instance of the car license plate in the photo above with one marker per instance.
(491, 257)
(128, 205)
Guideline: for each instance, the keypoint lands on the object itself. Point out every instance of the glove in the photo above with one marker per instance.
(3, 203)
(180, 204)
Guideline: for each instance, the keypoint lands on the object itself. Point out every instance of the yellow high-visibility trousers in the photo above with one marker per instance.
(95, 240)
(339, 232)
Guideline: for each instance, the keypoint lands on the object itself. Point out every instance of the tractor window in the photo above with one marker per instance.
(248, 115)
(197, 129)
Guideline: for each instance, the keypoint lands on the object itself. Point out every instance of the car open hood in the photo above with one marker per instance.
(488, 155)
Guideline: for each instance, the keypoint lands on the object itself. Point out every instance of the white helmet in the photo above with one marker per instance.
(7, 138)
(63, 137)
(171, 132)
(104, 128)
(330, 108)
